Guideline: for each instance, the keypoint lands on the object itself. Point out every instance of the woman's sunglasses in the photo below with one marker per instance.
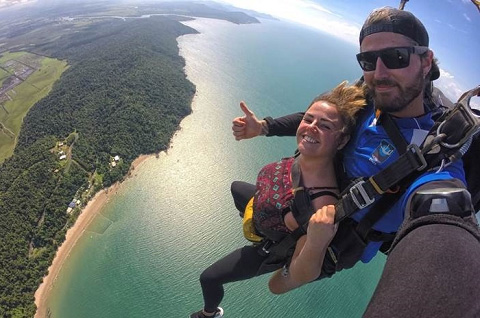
(393, 58)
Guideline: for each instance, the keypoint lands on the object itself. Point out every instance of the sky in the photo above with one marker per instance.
(453, 27)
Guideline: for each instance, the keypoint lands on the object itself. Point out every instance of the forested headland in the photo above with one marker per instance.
(123, 95)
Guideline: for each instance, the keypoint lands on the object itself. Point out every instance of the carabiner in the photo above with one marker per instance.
(463, 109)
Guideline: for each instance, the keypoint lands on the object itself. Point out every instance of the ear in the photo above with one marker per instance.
(427, 62)
(343, 141)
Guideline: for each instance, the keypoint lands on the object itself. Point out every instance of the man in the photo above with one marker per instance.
(396, 64)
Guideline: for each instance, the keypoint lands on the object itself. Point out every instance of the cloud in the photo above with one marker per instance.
(467, 17)
(449, 86)
(452, 89)
(451, 26)
(312, 14)
(315, 6)
(446, 74)
(304, 12)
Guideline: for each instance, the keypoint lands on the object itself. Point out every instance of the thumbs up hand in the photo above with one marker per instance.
(247, 126)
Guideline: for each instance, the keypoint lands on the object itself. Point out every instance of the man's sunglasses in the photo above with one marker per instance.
(393, 58)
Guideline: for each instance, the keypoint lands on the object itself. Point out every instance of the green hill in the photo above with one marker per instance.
(124, 94)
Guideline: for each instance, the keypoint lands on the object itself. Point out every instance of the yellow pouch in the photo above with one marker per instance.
(248, 227)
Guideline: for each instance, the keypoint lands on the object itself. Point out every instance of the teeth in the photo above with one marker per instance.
(310, 139)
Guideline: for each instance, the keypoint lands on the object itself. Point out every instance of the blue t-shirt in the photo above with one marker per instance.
(371, 151)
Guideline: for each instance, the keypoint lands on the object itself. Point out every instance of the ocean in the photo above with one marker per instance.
(143, 254)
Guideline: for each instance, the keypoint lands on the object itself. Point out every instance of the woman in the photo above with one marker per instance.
(325, 128)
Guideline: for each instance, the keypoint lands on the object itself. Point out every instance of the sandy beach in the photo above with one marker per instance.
(89, 213)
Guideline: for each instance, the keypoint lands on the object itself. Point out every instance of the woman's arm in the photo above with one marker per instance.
(309, 253)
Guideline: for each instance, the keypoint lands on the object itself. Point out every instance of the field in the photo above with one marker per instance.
(3, 75)
(38, 74)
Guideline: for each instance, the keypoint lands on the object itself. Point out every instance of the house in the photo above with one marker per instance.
(62, 157)
(116, 158)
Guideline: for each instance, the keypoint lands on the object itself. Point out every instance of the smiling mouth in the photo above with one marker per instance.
(309, 139)
(382, 88)
(384, 85)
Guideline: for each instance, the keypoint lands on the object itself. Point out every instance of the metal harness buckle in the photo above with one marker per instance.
(266, 246)
(463, 109)
(363, 193)
(420, 158)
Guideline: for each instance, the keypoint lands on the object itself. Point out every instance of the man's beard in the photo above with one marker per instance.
(393, 104)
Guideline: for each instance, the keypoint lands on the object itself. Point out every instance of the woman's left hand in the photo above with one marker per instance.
(322, 227)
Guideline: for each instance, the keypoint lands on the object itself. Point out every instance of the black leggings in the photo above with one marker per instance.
(242, 192)
(239, 265)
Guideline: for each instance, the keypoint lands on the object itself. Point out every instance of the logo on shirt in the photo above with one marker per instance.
(382, 152)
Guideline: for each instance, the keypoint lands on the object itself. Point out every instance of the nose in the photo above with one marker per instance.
(313, 125)
(380, 70)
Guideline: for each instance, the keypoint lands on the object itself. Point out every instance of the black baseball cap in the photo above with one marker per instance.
(396, 21)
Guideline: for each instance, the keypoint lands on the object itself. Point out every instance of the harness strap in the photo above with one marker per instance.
(296, 173)
(385, 179)
(301, 209)
(364, 227)
(282, 248)
(393, 132)
(382, 205)
(363, 192)
(456, 126)
(322, 193)
(301, 206)
(374, 215)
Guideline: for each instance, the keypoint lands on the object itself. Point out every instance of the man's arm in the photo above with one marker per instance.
(433, 268)
(249, 126)
(284, 126)
(433, 271)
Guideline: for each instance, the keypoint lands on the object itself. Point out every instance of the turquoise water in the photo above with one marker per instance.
(143, 255)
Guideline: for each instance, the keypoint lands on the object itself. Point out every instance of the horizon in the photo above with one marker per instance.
(453, 25)
(452, 29)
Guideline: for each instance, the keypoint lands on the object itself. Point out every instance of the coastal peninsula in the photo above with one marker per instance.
(123, 95)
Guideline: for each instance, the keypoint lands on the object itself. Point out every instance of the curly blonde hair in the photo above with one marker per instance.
(348, 100)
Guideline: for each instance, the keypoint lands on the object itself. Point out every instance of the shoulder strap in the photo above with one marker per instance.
(388, 199)
(282, 248)
(382, 205)
(302, 200)
(296, 173)
(393, 133)
(322, 193)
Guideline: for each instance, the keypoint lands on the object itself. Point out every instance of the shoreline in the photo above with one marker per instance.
(87, 215)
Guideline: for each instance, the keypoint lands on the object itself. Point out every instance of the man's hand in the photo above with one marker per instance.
(247, 126)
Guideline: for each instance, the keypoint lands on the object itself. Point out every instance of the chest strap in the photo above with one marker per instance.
(301, 205)
(363, 192)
